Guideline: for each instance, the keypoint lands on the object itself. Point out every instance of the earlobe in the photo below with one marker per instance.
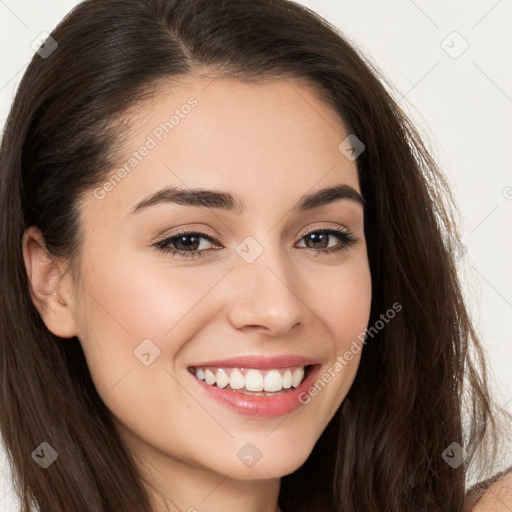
(46, 279)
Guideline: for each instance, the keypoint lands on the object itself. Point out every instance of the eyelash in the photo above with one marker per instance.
(346, 237)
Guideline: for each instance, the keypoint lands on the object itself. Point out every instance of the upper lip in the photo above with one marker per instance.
(262, 362)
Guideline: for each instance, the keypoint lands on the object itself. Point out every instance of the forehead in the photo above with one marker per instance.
(265, 142)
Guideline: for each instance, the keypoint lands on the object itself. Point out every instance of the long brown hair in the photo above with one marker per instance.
(383, 449)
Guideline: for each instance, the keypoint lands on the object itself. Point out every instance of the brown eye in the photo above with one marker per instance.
(319, 240)
(185, 244)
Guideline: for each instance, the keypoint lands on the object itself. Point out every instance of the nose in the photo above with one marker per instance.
(266, 294)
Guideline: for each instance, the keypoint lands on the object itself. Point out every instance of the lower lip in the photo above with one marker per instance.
(261, 406)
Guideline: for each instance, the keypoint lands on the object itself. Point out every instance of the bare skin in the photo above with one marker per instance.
(268, 145)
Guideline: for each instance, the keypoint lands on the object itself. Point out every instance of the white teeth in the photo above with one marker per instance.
(287, 379)
(273, 381)
(236, 379)
(297, 376)
(222, 378)
(209, 377)
(254, 380)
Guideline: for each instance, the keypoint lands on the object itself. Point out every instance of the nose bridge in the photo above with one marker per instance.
(265, 290)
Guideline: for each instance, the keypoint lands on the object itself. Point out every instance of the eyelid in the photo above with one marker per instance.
(340, 229)
(186, 231)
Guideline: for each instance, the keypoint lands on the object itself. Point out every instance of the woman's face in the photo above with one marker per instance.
(253, 291)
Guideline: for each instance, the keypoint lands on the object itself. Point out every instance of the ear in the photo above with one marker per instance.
(50, 285)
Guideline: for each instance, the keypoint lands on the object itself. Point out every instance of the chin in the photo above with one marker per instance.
(270, 460)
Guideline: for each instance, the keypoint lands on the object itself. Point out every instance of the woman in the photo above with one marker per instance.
(228, 258)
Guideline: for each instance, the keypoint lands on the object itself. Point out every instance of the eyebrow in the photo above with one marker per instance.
(223, 200)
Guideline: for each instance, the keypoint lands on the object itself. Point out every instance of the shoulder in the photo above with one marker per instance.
(493, 495)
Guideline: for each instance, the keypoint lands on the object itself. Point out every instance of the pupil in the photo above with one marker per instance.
(183, 239)
(317, 235)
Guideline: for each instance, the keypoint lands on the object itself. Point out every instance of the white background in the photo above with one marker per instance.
(463, 105)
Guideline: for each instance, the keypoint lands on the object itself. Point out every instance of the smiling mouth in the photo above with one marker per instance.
(252, 381)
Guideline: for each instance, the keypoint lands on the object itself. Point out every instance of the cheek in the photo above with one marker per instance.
(132, 308)
(342, 298)
(134, 300)
(342, 295)
(135, 313)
